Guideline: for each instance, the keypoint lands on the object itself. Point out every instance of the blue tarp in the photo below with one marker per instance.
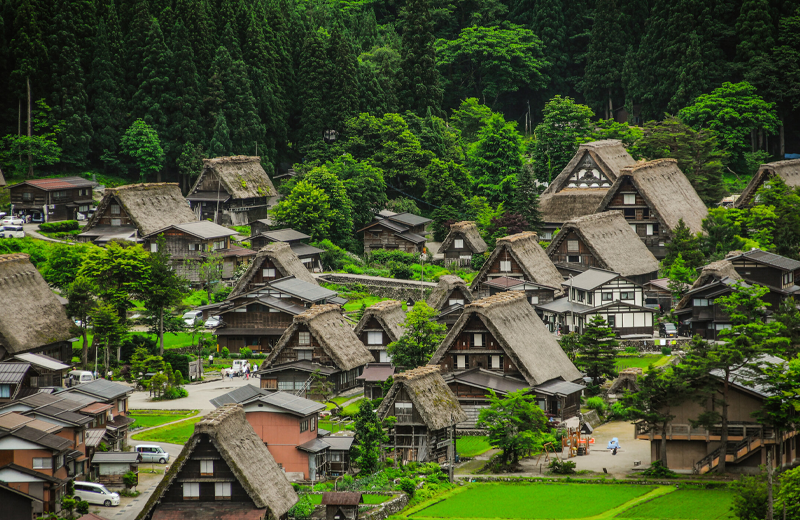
(613, 443)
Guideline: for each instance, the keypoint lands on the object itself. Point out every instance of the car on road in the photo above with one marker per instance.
(668, 330)
(152, 453)
(192, 318)
(12, 232)
(96, 494)
(213, 322)
(11, 221)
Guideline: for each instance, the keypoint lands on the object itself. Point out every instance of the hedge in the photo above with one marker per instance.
(57, 227)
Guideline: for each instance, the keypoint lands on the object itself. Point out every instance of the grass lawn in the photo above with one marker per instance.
(640, 362)
(472, 446)
(174, 434)
(150, 418)
(368, 499)
(535, 501)
(706, 504)
(352, 408)
(354, 305)
(338, 400)
(181, 339)
(331, 426)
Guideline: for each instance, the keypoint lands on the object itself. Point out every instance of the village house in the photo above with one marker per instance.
(111, 466)
(193, 243)
(597, 292)
(17, 380)
(462, 242)
(232, 191)
(603, 240)
(308, 255)
(224, 471)
(16, 504)
(342, 505)
(273, 261)
(472, 388)
(379, 326)
(582, 183)
(693, 449)
(108, 393)
(503, 335)
(448, 298)
(319, 339)
(52, 372)
(657, 294)
(288, 425)
(374, 378)
(775, 272)
(401, 231)
(427, 413)
(536, 294)
(518, 256)
(653, 197)
(35, 321)
(789, 171)
(51, 200)
(135, 211)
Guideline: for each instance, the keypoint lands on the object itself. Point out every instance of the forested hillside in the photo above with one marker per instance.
(440, 100)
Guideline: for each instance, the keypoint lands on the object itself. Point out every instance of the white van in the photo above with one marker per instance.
(12, 232)
(238, 366)
(79, 377)
(191, 318)
(152, 453)
(96, 494)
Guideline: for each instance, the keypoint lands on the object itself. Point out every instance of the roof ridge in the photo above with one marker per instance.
(525, 235)
(142, 185)
(417, 373)
(496, 300)
(11, 257)
(644, 165)
(315, 311)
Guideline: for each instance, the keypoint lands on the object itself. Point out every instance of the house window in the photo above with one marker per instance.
(612, 321)
(497, 362)
(477, 340)
(191, 491)
(650, 229)
(192, 247)
(27, 196)
(626, 295)
(534, 300)
(304, 355)
(458, 243)
(455, 301)
(629, 213)
(646, 213)
(83, 209)
(313, 422)
(581, 295)
(115, 209)
(207, 467)
(121, 405)
(336, 456)
(59, 461)
(574, 259)
(59, 195)
(722, 326)
(273, 310)
(403, 412)
(116, 221)
(607, 296)
(268, 273)
(700, 302)
(461, 361)
(547, 235)
(304, 425)
(505, 266)
(154, 248)
(589, 298)
(629, 198)
(384, 357)
(788, 278)
(572, 246)
(633, 227)
(374, 338)
(304, 338)
(5, 391)
(42, 463)
(286, 386)
(222, 491)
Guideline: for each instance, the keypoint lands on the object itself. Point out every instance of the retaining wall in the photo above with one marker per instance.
(382, 287)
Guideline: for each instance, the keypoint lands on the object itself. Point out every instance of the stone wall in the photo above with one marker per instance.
(653, 345)
(377, 512)
(382, 287)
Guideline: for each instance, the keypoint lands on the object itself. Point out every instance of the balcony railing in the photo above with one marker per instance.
(686, 431)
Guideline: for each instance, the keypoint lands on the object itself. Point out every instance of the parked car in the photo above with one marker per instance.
(668, 330)
(11, 221)
(152, 453)
(79, 377)
(238, 366)
(191, 318)
(37, 218)
(12, 232)
(213, 322)
(96, 494)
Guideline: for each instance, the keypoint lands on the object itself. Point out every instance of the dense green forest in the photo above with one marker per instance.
(427, 103)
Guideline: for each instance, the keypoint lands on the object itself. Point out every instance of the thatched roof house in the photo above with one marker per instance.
(789, 171)
(604, 240)
(225, 437)
(432, 399)
(462, 242)
(273, 261)
(33, 319)
(450, 287)
(388, 314)
(662, 188)
(141, 209)
(519, 256)
(583, 182)
(510, 320)
(713, 272)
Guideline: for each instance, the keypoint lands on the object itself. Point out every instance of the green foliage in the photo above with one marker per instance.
(566, 124)
(225, 352)
(130, 479)
(680, 278)
(666, 351)
(369, 434)
(142, 144)
(54, 227)
(657, 469)
(408, 486)
(302, 509)
(496, 160)
(245, 352)
(570, 344)
(419, 79)
(596, 347)
(789, 493)
(421, 336)
(750, 497)
(41, 148)
(307, 209)
(82, 507)
(515, 423)
(596, 403)
(685, 244)
(558, 467)
(402, 271)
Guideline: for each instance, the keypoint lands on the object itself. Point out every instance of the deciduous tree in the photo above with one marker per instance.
(516, 424)
(422, 334)
(142, 144)
(165, 289)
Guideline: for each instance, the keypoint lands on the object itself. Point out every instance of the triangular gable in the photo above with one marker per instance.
(587, 174)
(506, 247)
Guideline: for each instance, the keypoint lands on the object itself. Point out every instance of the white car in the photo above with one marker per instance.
(11, 232)
(96, 494)
(191, 318)
(11, 221)
(213, 322)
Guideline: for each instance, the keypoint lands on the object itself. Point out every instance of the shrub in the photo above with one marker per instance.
(618, 411)
(245, 352)
(225, 352)
(596, 403)
(174, 392)
(666, 351)
(82, 508)
(398, 270)
(59, 227)
(303, 509)
(631, 350)
(130, 479)
(659, 470)
(558, 467)
(408, 487)
(178, 377)
(387, 256)
(478, 261)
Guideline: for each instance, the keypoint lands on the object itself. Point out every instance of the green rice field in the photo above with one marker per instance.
(472, 446)
(151, 418)
(178, 433)
(564, 501)
(639, 362)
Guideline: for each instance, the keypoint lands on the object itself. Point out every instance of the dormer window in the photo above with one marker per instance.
(458, 243)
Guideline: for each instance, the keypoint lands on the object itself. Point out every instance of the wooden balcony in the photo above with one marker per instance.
(737, 431)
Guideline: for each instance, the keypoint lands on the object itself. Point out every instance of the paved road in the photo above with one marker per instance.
(198, 399)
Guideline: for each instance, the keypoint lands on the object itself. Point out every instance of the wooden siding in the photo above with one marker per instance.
(641, 214)
(380, 237)
(583, 255)
(39, 198)
(476, 356)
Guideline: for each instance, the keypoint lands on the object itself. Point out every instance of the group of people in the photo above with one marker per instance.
(245, 371)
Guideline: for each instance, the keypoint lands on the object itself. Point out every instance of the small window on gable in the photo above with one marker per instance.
(116, 221)
(115, 209)
(477, 340)
(454, 301)
(222, 490)
(629, 198)
(458, 243)
(534, 300)
(304, 338)
(207, 467)
(304, 355)
(191, 491)
(375, 338)
(496, 362)
(505, 266)
(268, 273)
(700, 302)
(574, 259)
(573, 246)
(192, 247)
(650, 229)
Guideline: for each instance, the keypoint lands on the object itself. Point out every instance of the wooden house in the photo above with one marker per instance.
(135, 211)
(339, 458)
(374, 377)
(342, 505)
(308, 255)
(789, 171)
(503, 335)
(106, 392)
(223, 472)
(192, 243)
(35, 322)
(287, 424)
(597, 292)
(536, 293)
(232, 191)
(697, 312)
(16, 504)
(401, 231)
(603, 240)
(657, 294)
(582, 184)
(272, 262)
(427, 413)
(380, 325)
(51, 200)
(777, 273)
(462, 242)
(16, 380)
(448, 298)
(518, 256)
(653, 197)
(318, 338)
(696, 449)
(472, 388)
(111, 466)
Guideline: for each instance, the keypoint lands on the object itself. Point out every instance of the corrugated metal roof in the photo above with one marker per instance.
(42, 361)
(284, 235)
(291, 403)
(94, 437)
(13, 373)
(302, 250)
(412, 237)
(41, 438)
(409, 219)
(13, 420)
(340, 443)
(102, 389)
(503, 282)
(377, 372)
(591, 278)
(559, 387)
(108, 457)
(59, 183)
(238, 396)
(564, 305)
(96, 408)
(302, 365)
(341, 498)
(314, 445)
(56, 412)
(205, 229)
(303, 290)
(209, 196)
(485, 379)
(282, 304)
(781, 262)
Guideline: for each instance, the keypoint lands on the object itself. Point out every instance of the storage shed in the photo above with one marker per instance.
(341, 506)
(111, 466)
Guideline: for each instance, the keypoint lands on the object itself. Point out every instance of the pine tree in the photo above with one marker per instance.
(27, 48)
(597, 350)
(220, 142)
(526, 198)
(419, 78)
(199, 30)
(686, 245)
(315, 69)
(345, 87)
(755, 30)
(602, 82)
(496, 160)
(135, 45)
(546, 19)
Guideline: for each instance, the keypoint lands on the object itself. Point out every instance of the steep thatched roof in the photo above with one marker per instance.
(2, 179)
(469, 231)
(446, 285)
(242, 177)
(436, 404)
(389, 314)
(524, 248)
(245, 454)
(32, 315)
(598, 161)
(328, 326)
(285, 261)
(525, 339)
(666, 189)
(711, 273)
(612, 242)
(151, 207)
(788, 170)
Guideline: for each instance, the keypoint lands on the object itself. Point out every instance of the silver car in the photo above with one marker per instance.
(152, 453)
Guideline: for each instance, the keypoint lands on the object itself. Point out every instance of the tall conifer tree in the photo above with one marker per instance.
(107, 102)
(221, 140)
(155, 96)
(602, 82)
(185, 122)
(345, 88)
(315, 70)
(419, 82)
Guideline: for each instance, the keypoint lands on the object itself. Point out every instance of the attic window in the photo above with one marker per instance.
(477, 340)
(505, 266)
(496, 362)
(574, 259)
(222, 491)
(191, 491)
(700, 302)
(268, 273)
(303, 338)
(458, 243)
(116, 221)
(207, 468)
(572, 246)
(455, 301)
(374, 338)
(115, 209)
(629, 198)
